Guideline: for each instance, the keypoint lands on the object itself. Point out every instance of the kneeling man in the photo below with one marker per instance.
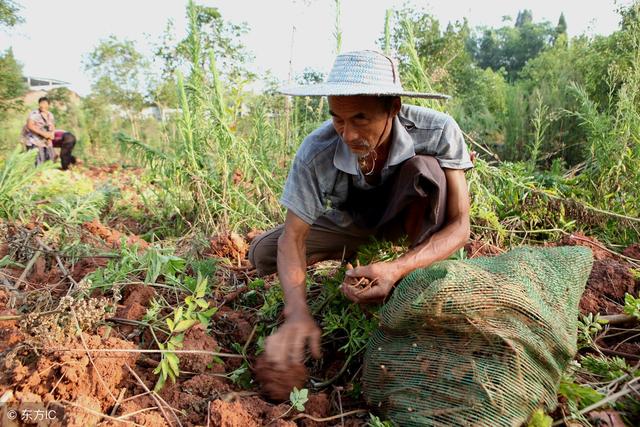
(379, 169)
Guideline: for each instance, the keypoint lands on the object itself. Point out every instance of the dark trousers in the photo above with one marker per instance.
(412, 203)
(66, 144)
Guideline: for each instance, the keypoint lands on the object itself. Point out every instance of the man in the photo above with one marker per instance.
(39, 132)
(378, 168)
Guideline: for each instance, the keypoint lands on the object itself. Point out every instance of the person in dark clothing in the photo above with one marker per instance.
(65, 141)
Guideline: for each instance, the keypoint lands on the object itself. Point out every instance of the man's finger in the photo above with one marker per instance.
(362, 271)
(314, 343)
(374, 293)
(348, 292)
(273, 350)
(296, 353)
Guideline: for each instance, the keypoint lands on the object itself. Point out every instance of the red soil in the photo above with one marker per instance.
(632, 251)
(278, 383)
(135, 304)
(229, 245)
(113, 237)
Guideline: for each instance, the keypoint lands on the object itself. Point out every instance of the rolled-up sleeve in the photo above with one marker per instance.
(302, 194)
(451, 151)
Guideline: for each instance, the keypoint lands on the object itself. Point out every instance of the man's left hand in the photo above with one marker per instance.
(382, 276)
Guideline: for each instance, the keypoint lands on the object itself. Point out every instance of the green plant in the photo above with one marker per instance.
(298, 398)
(16, 174)
(374, 421)
(540, 419)
(588, 327)
(605, 367)
(578, 396)
(632, 306)
(197, 311)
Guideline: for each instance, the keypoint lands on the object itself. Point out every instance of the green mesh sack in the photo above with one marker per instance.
(480, 342)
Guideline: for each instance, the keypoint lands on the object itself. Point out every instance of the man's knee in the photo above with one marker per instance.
(419, 161)
(263, 252)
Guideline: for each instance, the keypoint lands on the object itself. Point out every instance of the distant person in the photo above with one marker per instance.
(39, 132)
(65, 141)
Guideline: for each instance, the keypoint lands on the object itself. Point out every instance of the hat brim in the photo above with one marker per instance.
(330, 89)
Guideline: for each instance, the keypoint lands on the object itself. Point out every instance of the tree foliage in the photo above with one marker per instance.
(9, 13)
(11, 84)
(510, 47)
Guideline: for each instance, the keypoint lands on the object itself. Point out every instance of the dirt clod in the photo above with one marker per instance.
(229, 245)
(610, 279)
(278, 383)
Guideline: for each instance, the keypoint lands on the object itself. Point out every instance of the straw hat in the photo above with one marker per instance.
(364, 72)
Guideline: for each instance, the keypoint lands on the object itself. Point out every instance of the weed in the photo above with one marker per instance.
(588, 327)
(632, 306)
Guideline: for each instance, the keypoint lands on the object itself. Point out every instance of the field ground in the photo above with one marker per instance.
(70, 270)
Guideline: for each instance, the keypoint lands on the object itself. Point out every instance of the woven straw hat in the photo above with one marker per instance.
(364, 72)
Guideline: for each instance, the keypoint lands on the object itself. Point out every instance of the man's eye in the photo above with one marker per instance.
(361, 121)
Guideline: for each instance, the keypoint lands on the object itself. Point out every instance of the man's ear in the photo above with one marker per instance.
(395, 106)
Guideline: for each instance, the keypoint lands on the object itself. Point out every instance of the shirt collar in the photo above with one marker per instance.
(401, 149)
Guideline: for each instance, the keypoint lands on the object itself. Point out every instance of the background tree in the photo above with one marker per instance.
(9, 13)
(510, 47)
(118, 69)
(12, 86)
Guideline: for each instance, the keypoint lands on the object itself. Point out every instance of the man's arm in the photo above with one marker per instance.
(440, 246)
(31, 125)
(292, 265)
(287, 345)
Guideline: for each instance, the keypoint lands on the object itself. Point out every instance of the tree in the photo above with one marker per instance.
(510, 47)
(12, 85)
(215, 34)
(9, 13)
(525, 17)
(117, 69)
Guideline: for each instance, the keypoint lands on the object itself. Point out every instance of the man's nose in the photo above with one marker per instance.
(349, 134)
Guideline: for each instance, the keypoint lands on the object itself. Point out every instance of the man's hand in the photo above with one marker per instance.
(382, 278)
(287, 346)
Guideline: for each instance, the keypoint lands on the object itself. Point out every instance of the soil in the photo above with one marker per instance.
(73, 376)
(477, 248)
(113, 237)
(196, 338)
(247, 412)
(578, 239)
(229, 245)
(610, 279)
(236, 325)
(632, 251)
(278, 383)
(135, 304)
(10, 335)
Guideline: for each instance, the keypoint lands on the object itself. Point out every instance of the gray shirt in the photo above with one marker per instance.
(318, 182)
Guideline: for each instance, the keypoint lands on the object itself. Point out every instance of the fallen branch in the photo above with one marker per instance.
(154, 396)
(616, 319)
(331, 418)
(609, 399)
(133, 350)
(28, 268)
(99, 414)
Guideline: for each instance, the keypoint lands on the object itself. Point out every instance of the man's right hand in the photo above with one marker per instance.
(287, 346)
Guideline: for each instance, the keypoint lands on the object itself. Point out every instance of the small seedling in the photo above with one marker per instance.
(298, 398)
(632, 306)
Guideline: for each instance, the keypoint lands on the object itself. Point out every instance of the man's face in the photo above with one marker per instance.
(44, 105)
(360, 121)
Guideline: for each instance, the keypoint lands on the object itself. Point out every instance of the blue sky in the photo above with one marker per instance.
(57, 34)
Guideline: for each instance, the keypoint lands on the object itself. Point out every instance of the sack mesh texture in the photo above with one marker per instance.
(480, 342)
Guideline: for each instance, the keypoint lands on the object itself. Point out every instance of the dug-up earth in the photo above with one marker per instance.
(99, 377)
